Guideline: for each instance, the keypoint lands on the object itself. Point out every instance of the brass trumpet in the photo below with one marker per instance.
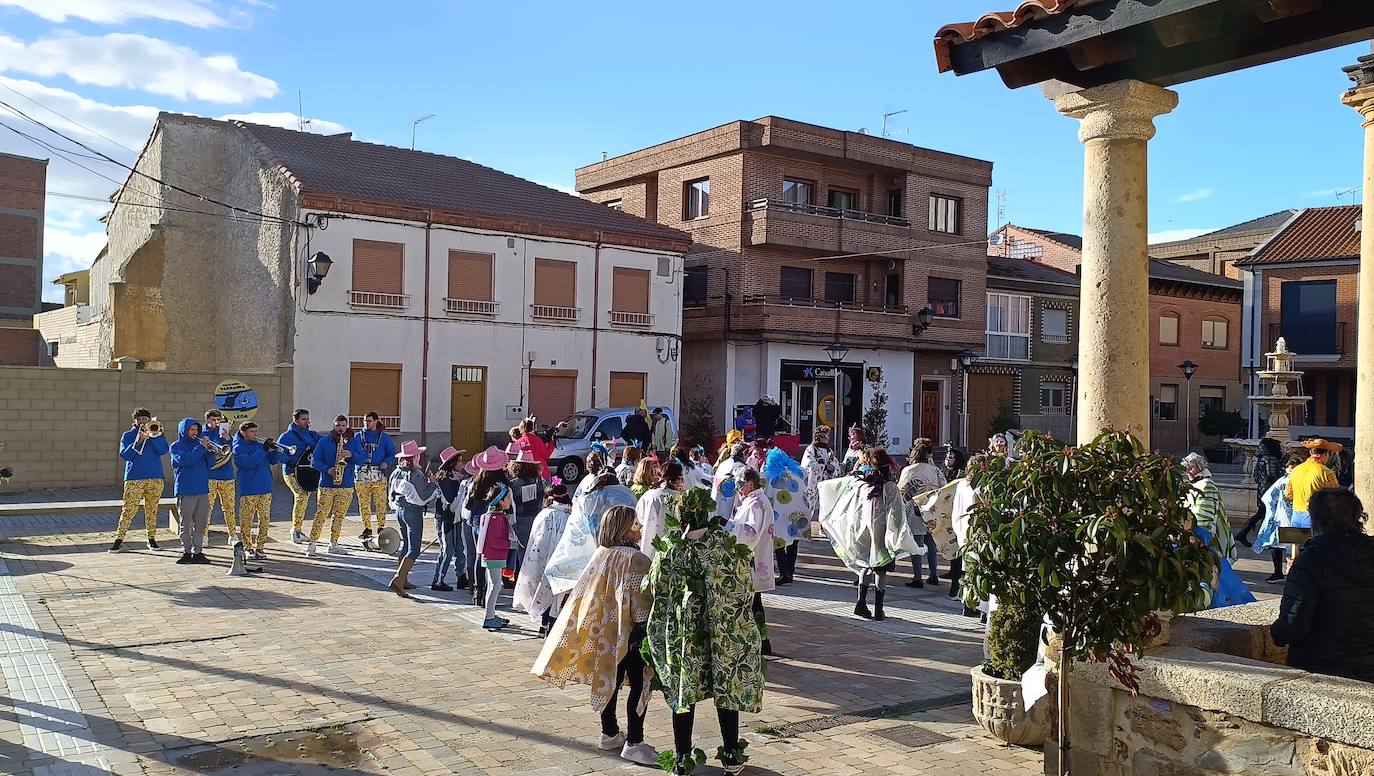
(222, 452)
(151, 429)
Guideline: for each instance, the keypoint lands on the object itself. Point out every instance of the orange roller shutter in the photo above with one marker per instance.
(378, 267)
(555, 283)
(470, 276)
(627, 388)
(630, 290)
(552, 395)
(374, 388)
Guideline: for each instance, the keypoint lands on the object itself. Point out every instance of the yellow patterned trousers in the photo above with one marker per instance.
(372, 501)
(257, 508)
(223, 491)
(145, 493)
(302, 502)
(332, 503)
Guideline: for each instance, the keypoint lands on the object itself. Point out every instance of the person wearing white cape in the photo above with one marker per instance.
(725, 483)
(784, 482)
(578, 543)
(533, 593)
(653, 507)
(752, 526)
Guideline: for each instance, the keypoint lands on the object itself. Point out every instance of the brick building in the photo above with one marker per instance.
(1302, 285)
(805, 235)
(1194, 316)
(1217, 252)
(23, 186)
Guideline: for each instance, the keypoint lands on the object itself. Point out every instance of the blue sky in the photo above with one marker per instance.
(539, 88)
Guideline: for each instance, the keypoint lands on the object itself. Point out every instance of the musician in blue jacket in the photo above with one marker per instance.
(299, 436)
(143, 477)
(253, 479)
(191, 485)
(332, 458)
(216, 431)
(377, 453)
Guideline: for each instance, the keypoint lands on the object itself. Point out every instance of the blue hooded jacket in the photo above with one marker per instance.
(146, 465)
(383, 449)
(253, 473)
(301, 439)
(225, 472)
(190, 463)
(326, 453)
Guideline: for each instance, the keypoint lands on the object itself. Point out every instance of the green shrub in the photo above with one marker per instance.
(1013, 640)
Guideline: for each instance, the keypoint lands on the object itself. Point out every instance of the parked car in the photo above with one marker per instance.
(575, 435)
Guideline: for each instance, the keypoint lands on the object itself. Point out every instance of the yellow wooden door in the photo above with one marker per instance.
(468, 408)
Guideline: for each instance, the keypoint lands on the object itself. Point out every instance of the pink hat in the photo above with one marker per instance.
(490, 460)
(410, 449)
(525, 456)
(512, 449)
(471, 467)
(448, 454)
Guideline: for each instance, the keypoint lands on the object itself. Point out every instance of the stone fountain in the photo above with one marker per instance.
(1276, 396)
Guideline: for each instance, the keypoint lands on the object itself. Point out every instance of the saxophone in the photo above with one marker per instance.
(336, 472)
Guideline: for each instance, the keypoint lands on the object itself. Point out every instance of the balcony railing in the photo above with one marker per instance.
(1310, 339)
(549, 312)
(375, 299)
(470, 306)
(821, 304)
(827, 212)
(392, 422)
(622, 318)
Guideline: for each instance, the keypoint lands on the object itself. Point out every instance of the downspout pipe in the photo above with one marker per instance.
(424, 328)
(596, 310)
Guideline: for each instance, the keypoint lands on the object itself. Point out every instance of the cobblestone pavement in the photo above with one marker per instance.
(131, 664)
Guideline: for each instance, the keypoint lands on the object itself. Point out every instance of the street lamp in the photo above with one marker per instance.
(966, 359)
(837, 352)
(1188, 368)
(319, 270)
(923, 319)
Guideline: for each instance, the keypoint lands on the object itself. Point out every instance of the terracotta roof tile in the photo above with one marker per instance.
(996, 21)
(1319, 233)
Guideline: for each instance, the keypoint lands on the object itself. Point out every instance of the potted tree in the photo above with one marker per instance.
(1097, 537)
(998, 704)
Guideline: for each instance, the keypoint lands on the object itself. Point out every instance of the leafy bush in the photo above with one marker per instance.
(1013, 639)
(875, 417)
(698, 426)
(1222, 425)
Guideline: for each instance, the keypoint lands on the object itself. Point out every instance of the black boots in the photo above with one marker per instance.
(861, 607)
(878, 604)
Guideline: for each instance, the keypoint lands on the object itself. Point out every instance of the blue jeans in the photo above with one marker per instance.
(931, 558)
(412, 529)
(469, 564)
(445, 528)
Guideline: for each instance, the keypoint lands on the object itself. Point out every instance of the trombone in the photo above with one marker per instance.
(151, 430)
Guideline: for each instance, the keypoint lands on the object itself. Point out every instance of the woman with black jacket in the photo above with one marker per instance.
(1268, 469)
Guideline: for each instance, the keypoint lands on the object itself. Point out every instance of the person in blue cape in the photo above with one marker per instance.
(1210, 523)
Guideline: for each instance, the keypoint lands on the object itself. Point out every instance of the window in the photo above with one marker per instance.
(942, 294)
(892, 296)
(1168, 329)
(839, 287)
(697, 198)
(470, 276)
(1214, 333)
(1008, 333)
(1307, 316)
(1167, 406)
(378, 270)
(630, 290)
(797, 192)
(374, 388)
(555, 289)
(613, 204)
(1053, 398)
(944, 214)
(694, 286)
(842, 199)
(52, 348)
(611, 427)
(795, 283)
(1211, 398)
(1054, 325)
(894, 203)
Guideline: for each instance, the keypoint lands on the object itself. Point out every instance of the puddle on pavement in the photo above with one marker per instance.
(339, 749)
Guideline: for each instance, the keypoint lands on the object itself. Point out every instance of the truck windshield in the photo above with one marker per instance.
(578, 426)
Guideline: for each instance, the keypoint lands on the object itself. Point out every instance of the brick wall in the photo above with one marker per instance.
(1052, 253)
(1347, 290)
(19, 238)
(18, 287)
(22, 182)
(19, 346)
(62, 426)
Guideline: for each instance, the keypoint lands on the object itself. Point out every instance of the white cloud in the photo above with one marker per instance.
(1323, 193)
(1170, 235)
(1195, 195)
(137, 62)
(196, 13)
(127, 125)
(289, 121)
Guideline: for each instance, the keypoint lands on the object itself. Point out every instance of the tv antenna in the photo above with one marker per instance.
(415, 125)
(1352, 191)
(302, 123)
(886, 116)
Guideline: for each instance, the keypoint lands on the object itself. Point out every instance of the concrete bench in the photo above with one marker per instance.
(31, 509)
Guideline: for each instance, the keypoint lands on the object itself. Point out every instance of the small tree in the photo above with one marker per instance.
(1013, 639)
(1098, 537)
(697, 425)
(1222, 424)
(875, 417)
(1005, 420)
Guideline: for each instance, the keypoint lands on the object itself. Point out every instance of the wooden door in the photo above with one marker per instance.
(468, 409)
(930, 411)
(627, 389)
(987, 394)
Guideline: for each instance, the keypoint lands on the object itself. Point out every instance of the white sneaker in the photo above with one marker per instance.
(310, 550)
(640, 754)
(609, 743)
(337, 549)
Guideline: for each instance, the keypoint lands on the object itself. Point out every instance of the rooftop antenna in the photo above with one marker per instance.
(415, 125)
(1352, 192)
(603, 156)
(1001, 208)
(302, 123)
(886, 116)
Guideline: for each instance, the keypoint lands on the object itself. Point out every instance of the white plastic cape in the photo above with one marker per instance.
(752, 525)
(532, 591)
(866, 533)
(578, 542)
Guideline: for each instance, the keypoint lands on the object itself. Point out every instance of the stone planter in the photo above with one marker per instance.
(997, 707)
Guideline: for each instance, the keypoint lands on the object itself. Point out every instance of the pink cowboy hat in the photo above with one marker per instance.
(471, 467)
(525, 456)
(410, 449)
(448, 454)
(490, 459)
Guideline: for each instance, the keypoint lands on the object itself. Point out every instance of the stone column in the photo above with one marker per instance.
(1361, 98)
(1116, 124)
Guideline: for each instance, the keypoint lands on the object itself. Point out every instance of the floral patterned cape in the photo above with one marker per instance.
(937, 511)
(785, 484)
(578, 543)
(702, 638)
(867, 533)
(723, 487)
(819, 464)
(532, 590)
(592, 634)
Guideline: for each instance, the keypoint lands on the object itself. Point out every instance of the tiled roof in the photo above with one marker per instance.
(1063, 238)
(1167, 270)
(954, 34)
(1031, 271)
(349, 169)
(1263, 223)
(1316, 234)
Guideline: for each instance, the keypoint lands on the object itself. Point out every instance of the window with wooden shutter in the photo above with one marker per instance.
(627, 388)
(555, 289)
(374, 388)
(630, 297)
(378, 274)
(470, 283)
(552, 394)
